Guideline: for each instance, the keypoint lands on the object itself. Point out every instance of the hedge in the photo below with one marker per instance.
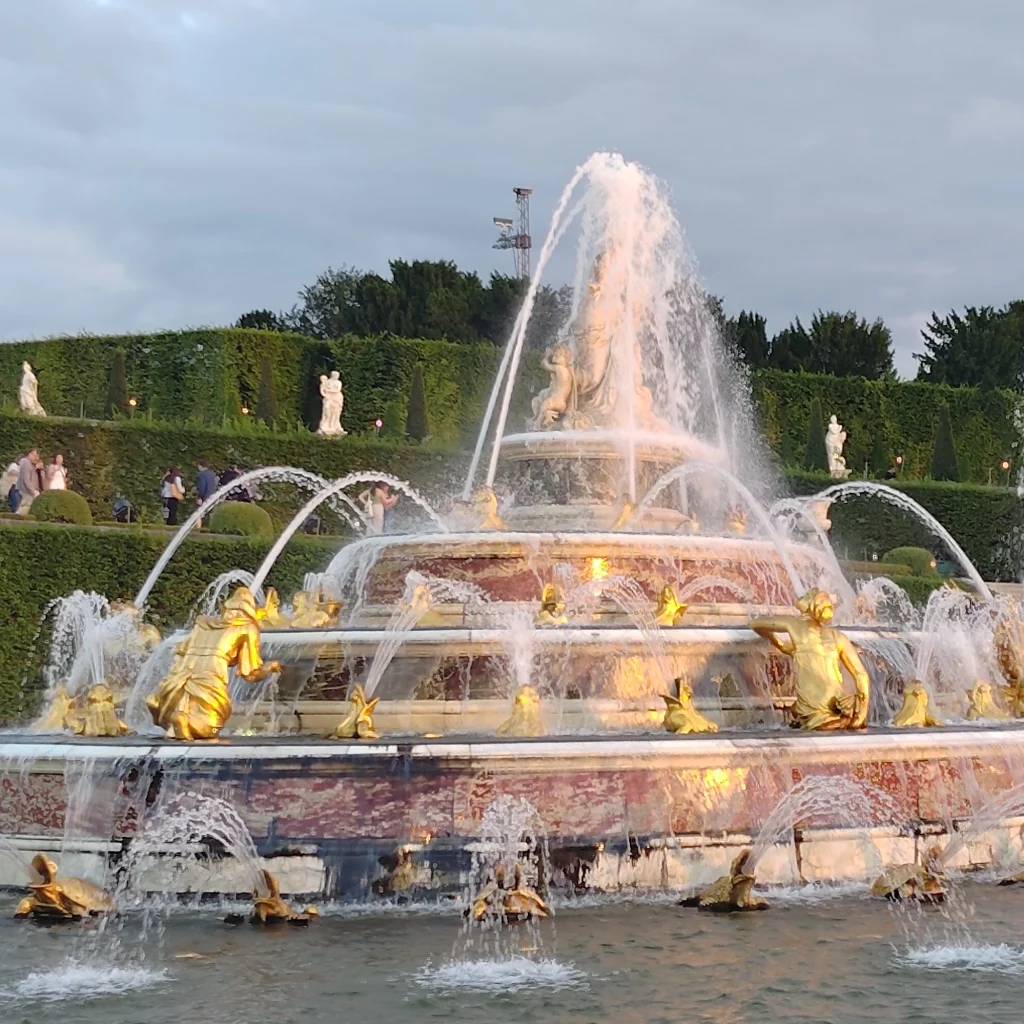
(906, 412)
(61, 507)
(207, 376)
(985, 521)
(40, 562)
(244, 518)
(129, 458)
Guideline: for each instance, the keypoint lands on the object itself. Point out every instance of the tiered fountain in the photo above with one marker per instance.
(609, 623)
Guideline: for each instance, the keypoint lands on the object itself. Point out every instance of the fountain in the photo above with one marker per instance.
(612, 623)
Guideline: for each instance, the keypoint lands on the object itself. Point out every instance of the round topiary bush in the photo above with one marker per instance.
(61, 507)
(242, 517)
(921, 562)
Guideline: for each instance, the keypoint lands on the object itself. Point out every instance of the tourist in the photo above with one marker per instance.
(378, 501)
(8, 484)
(206, 484)
(56, 474)
(233, 472)
(28, 481)
(172, 492)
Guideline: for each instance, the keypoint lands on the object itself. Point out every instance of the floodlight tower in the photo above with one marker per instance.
(520, 242)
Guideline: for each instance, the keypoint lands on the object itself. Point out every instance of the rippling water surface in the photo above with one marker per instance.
(808, 959)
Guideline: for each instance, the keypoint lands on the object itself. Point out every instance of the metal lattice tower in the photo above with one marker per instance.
(520, 243)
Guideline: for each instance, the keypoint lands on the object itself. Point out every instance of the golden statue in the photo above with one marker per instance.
(149, 636)
(358, 723)
(192, 702)
(681, 717)
(525, 718)
(401, 875)
(69, 900)
(670, 610)
(731, 892)
(1009, 640)
(271, 909)
(552, 606)
(736, 520)
(915, 713)
(270, 615)
(819, 655)
(55, 717)
(311, 610)
(485, 509)
(518, 903)
(981, 703)
(924, 882)
(624, 513)
(92, 713)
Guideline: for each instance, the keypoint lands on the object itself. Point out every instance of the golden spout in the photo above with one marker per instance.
(915, 713)
(981, 703)
(70, 899)
(525, 719)
(269, 908)
(731, 892)
(681, 717)
(669, 611)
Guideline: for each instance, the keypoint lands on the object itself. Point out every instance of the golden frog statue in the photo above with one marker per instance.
(358, 723)
(924, 882)
(525, 719)
(511, 904)
(271, 909)
(670, 610)
(68, 900)
(819, 655)
(552, 606)
(192, 702)
(915, 713)
(681, 717)
(981, 703)
(731, 892)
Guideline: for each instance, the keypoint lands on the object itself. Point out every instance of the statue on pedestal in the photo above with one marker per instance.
(557, 401)
(819, 653)
(333, 402)
(835, 438)
(28, 392)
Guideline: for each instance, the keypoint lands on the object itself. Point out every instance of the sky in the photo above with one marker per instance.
(166, 164)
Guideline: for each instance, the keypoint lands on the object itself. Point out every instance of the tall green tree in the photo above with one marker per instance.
(840, 344)
(416, 424)
(747, 333)
(816, 454)
(879, 461)
(945, 464)
(980, 348)
(261, 320)
(117, 387)
(266, 397)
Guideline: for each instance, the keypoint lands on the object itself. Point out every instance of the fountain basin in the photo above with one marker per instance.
(653, 811)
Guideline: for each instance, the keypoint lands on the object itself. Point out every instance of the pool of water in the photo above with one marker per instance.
(813, 957)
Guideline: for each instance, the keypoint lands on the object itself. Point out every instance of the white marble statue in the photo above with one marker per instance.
(835, 438)
(334, 401)
(28, 392)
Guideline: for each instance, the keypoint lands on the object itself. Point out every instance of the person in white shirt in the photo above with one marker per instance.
(172, 491)
(57, 474)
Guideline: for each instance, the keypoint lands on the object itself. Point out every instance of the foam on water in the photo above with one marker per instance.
(76, 980)
(1000, 959)
(497, 976)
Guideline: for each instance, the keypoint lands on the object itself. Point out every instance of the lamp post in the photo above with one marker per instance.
(377, 424)
(245, 410)
(1005, 467)
(899, 466)
(132, 402)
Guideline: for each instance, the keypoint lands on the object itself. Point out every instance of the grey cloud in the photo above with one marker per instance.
(160, 170)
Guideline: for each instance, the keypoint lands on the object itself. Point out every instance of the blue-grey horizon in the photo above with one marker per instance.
(167, 163)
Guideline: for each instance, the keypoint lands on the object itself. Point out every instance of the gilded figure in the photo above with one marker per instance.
(1009, 641)
(731, 892)
(819, 653)
(525, 719)
(981, 703)
(736, 520)
(915, 713)
(924, 881)
(485, 509)
(681, 717)
(269, 908)
(624, 512)
(192, 702)
(552, 606)
(511, 904)
(358, 723)
(93, 713)
(70, 899)
(670, 610)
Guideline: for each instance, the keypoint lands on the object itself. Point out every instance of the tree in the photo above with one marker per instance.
(261, 320)
(747, 333)
(117, 389)
(840, 344)
(945, 465)
(266, 398)
(981, 348)
(416, 424)
(879, 461)
(816, 454)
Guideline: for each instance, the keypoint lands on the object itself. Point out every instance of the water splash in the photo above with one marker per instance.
(76, 980)
(499, 977)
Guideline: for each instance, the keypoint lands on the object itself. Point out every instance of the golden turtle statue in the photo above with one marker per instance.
(924, 882)
(915, 713)
(510, 905)
(358, 723)
(70, 899)
(731, 892)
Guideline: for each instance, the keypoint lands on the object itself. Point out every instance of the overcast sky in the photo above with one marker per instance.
(166, 163)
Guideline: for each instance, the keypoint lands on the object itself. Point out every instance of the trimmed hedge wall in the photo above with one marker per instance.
(984, 427)
(38, 563)
(985, 521)
(129, 458)
(206, 376)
